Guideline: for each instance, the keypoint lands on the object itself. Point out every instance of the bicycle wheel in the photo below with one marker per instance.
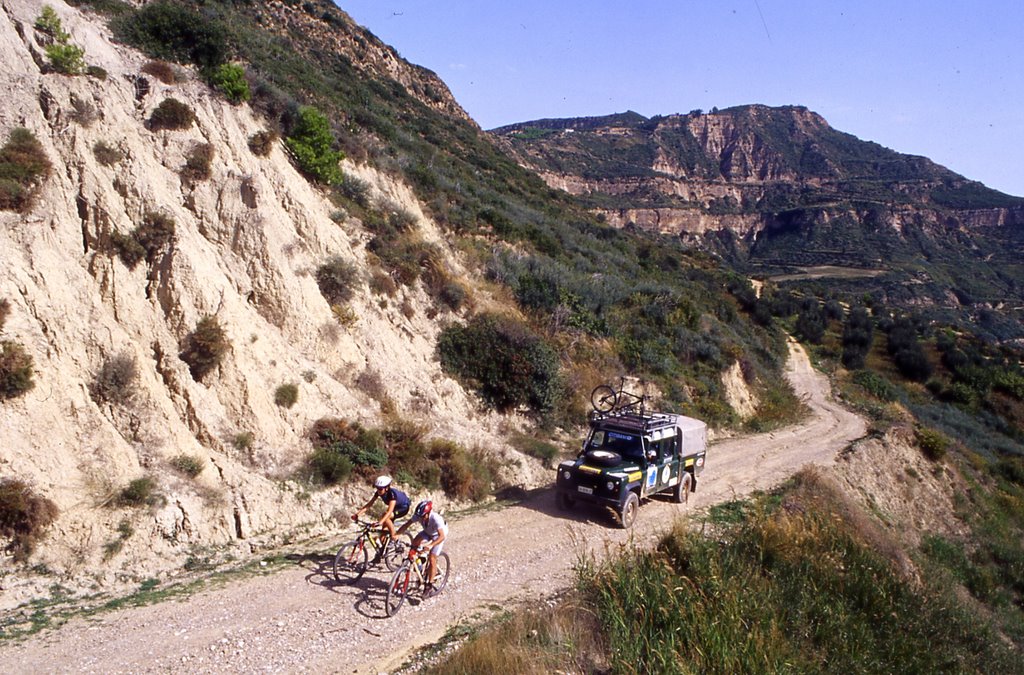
(395, 552)
(350, 563)
(398, 588)
(603, 398)
(444, 567)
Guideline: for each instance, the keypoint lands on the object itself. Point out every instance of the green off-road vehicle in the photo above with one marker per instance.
(631, 454)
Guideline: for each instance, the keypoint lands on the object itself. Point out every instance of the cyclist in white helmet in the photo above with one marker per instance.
(395, 501)
(435, 531)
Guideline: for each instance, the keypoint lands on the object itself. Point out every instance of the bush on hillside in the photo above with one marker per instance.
(286, 395)
(205, 347)
(337, 279)
(339, 447)
(933, 444)
(171, 114)
(198, 163)
(174, 32)
(116, 379)
(106, 154)
(23, 163)
(139, 492)
(504, 361)
(5, 311)
(189, 465)
(24, 516)
(262, 142)
(161, 70)
(144, 243)
(66, 58)
(15, 370)
(311, 143)
(229, 79)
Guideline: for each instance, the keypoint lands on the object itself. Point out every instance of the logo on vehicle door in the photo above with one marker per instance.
(666, 473)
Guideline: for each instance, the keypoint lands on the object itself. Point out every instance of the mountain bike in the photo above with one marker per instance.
(411, 577)
(605, 399)
(353, 557)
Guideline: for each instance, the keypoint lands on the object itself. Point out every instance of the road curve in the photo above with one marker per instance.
(298, 620)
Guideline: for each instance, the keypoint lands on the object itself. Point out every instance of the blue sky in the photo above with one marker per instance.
(939, 78)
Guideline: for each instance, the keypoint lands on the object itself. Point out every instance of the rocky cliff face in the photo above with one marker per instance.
(247, 241)
(776, 188)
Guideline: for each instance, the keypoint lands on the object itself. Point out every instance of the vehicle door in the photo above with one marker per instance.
(664, 460)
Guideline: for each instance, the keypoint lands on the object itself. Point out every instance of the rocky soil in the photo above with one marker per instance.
(300, 620)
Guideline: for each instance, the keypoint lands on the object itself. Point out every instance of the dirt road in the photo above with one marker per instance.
(298, 620)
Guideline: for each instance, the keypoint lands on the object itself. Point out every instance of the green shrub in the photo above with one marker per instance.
(286, 395)
(97, 72)
(329, 466)
(190, 465)
(535, 447)
(876, 385)
(24, 515)
(171, 114)
(933, 444)
(161, 70)
(205, 347)
(174, 32)
(262, 142)
(50, 24)
(197, 163)
(15, 370)
(229, 79)
(23, 163)
(337, 279)
(128, 248)
(243, 440)
(146, 241)
(115, 382)
(106, 154)
(66, 58)
(338, 447)
(464, 474)
(5, 311)
(139, 492)
(82, 111)
(507, 364)
(311, 142)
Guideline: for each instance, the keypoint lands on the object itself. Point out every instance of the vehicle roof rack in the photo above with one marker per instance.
(633, 419)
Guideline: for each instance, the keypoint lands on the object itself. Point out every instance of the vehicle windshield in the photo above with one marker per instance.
(629, 446)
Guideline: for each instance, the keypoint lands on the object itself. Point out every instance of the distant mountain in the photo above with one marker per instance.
(772, 189)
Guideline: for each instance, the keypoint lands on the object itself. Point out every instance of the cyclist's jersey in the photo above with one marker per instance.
(401, 501)
(434, 525)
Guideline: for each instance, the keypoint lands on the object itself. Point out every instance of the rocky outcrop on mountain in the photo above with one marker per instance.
(776, 188)
(246, 243)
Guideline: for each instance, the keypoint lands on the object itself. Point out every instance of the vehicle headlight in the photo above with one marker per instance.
(610, 485)
(566, 475)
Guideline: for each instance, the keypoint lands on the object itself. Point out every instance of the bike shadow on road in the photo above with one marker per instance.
(367, 593)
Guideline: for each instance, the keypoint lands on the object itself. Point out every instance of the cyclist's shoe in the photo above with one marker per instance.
(430, 591)
(376, 558)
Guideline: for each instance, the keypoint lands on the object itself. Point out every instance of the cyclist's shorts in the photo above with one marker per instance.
(400, 512)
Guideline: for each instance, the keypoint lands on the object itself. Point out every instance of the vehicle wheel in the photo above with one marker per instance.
(350, 563)
(444, 566)
(682, 492)
(603, 398)
(396, 552)
(627, 512)
(398, 588)
(604, 457)
(564, 501)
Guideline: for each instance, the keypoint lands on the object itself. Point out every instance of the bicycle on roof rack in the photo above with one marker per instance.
(607, 400)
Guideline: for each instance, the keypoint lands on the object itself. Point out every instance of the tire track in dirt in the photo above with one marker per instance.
(298, 620)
